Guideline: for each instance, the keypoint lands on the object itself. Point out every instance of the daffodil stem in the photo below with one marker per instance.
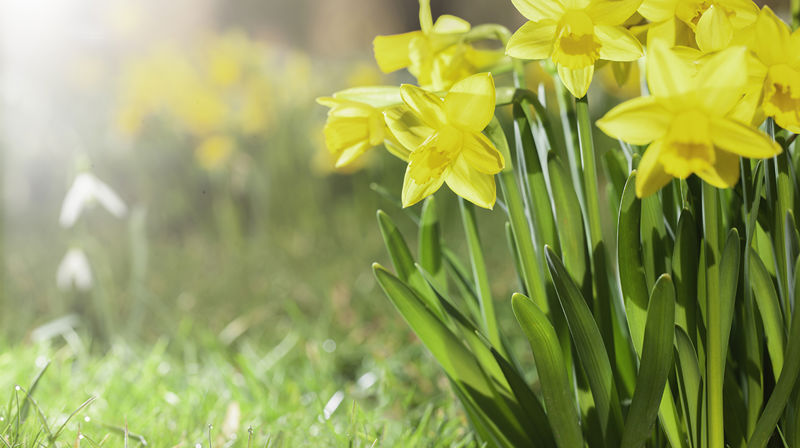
(482, 285)
(586, 143)
(714, 364)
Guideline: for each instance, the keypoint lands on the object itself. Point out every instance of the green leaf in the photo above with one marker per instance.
(403, 262)
(769, 308)
(590, 349)
(684, 270)
(556, 388)
(690, 380)
(655, 365)
(728, 283)
(655, 247)
(631, 270)
(786, 382)
(569, 218)
(430, 242)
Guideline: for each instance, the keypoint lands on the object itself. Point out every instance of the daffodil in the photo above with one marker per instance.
(575, 34)
(687, 121)
(446, 143)
(435, 54)
(354, 127)
(719, 20)
(778, 50)
(214, 151)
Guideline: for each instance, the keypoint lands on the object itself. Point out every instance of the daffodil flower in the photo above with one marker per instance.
(779, 51)
(716, 20)
(434, 54)
(446, 143)
(575, 34)
(687, 121)
(353, 128)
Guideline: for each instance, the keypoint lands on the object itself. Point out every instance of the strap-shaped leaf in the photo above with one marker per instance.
(770, 310)
(590, 349)
(655, 365)
(631, 271)
(786, 382)
(684, 271)
(691, 384)
(430, 241)
(559, 397)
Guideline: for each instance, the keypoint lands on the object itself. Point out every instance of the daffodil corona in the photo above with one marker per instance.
(575, 34)
(446, 143)
(687, 121)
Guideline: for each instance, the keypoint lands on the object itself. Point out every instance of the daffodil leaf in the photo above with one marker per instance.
(557, 391)
(570, 224)
(403, 262)
(655, 245)
(728, 283)
(656, 363)
(769, 309)
(684, 272)
(430, 244)
(591, 351)
(375, 96)
(631, 271)
(494, 131)
(765, 427)
(690, 382)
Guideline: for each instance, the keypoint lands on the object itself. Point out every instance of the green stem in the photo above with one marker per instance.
(795, 14)
(714, 365)
(531, 270)
(482, 285)
(589, 171)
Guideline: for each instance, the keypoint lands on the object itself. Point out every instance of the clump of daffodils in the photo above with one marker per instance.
(669, 293)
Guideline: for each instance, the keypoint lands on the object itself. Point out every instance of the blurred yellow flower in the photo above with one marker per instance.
(687, 121)
(435, 54)
(446, 143)
(213, 152)
(778, 52)
(575, 34)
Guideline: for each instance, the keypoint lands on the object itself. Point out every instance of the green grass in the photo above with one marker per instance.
(177, 392)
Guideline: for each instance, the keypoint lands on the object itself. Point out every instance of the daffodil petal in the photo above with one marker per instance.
(725, 171)
(744, 12)
(741, 139)
(533, 40)
(392, 52)
(657, 10)
(576, 80)
(426, 170)
(638, 121)
(714, 30)
(481, 154)
(470, 103)
(793, 54)
(771, 40)
(650, 175)
(722, 79)
(447, 24)
(617, 43)
(472, 185)
(667, 74)
(612, 12)
(428, 107)
(406, 127)
(351, 153)
(539, 9)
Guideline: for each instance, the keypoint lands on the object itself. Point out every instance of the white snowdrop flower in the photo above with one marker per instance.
(74, 271)
(85, 191)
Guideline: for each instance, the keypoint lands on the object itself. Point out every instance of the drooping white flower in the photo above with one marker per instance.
(85, 192)
(74, 271)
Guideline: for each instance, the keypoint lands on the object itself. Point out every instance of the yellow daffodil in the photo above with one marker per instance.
(718, 20)
(353, 128)
(446, 143)
(435, 54)
(778, 51)
(214, 151)
(687, 121)
(575, 34)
